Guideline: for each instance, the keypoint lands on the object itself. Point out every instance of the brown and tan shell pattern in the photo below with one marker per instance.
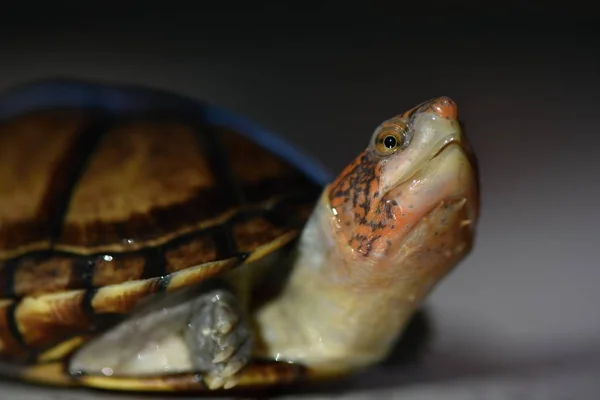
(99, 212)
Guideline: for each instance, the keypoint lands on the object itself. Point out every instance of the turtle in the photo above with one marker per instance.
(150, 241)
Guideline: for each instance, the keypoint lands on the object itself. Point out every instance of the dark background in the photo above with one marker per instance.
(324, 74)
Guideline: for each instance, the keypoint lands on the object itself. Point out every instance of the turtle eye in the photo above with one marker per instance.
(389, 139)
(390, 142)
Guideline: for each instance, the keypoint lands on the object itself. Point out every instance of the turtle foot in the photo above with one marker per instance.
(220, 338)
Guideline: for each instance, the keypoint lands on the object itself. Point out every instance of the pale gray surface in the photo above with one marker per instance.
(527, 299)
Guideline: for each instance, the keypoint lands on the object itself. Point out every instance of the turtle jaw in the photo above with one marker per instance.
(443, 185)
(444, 199)
(438, 171)
(377, 201)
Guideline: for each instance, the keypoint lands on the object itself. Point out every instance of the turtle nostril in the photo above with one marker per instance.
(445, 107)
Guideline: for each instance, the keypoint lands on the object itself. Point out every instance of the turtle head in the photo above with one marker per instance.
(405, 208)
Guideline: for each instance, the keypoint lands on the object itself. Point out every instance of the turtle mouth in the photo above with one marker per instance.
(445, 176)
(451, 140)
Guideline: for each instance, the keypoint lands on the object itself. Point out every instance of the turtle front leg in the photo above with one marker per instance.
(219, 337)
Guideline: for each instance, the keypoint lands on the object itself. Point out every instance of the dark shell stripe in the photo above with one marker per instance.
(35, 178)
(11, 342)
(37, 322)
(235, 236)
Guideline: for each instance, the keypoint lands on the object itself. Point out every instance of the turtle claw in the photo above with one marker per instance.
(225, 319)
(225, 328)
(219, 337)
(224, 355)
(232, 368)
(215, 382)
(229, 383)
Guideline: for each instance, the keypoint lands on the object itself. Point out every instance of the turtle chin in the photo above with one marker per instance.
(434, 216)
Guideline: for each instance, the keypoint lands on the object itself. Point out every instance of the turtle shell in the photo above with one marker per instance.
(112, 194)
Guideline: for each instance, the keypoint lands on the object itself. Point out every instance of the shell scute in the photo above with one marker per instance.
(46, 319)
(32, 169)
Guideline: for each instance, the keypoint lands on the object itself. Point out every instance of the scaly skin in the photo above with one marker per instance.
(384, 233)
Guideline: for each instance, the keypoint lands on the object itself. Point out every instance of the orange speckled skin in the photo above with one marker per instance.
(370, 216)
(357, 191)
